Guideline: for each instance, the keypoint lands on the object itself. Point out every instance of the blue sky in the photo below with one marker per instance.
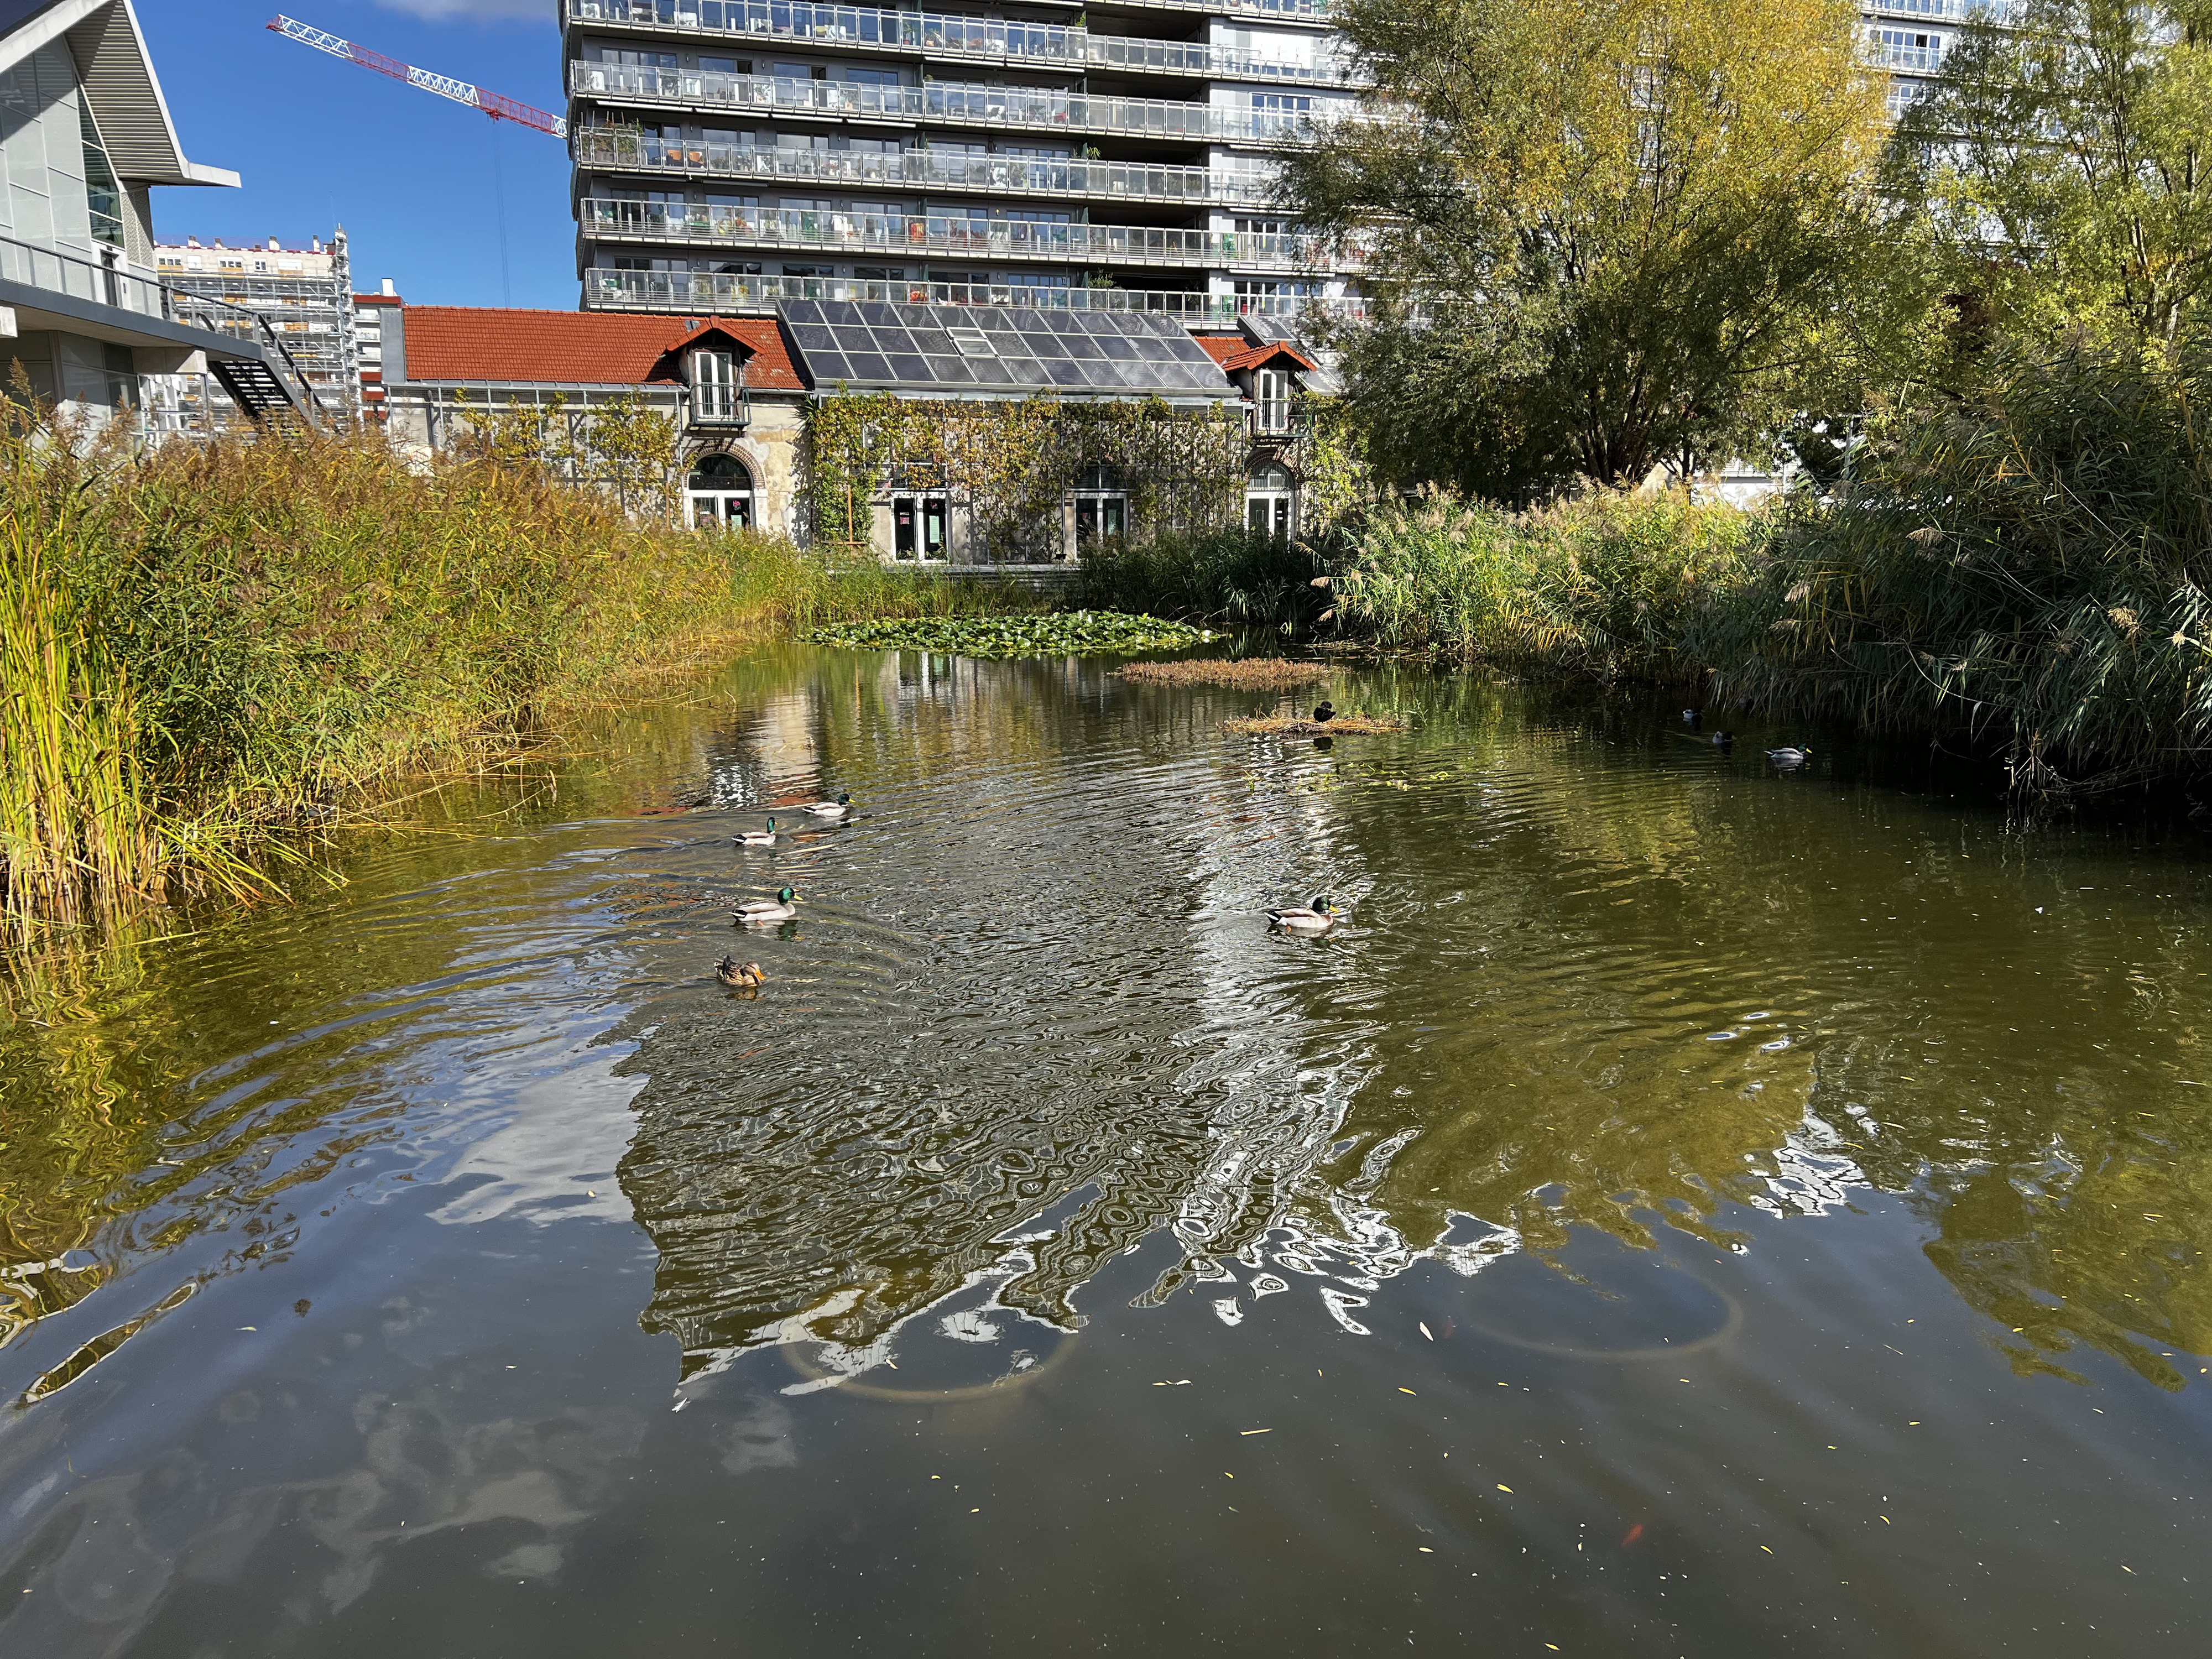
(417, 179)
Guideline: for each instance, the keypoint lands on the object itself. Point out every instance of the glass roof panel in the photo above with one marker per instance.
(910, 368)
(870, 366)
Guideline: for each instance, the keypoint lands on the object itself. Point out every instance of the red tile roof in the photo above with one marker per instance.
(578, 348)
(1234, 351)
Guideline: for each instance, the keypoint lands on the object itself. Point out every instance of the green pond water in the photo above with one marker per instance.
(1689, 1208)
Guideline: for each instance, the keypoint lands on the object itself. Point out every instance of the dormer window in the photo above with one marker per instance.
(715, 386)
(1271, 400)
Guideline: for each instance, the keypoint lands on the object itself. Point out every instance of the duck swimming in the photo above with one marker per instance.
(1786, 758)
(832, 809)
(1694, 718)
(1325, 713)
(1317, 918)
(758, 837)
(782, 907)
(1723, 739)
(746, 977)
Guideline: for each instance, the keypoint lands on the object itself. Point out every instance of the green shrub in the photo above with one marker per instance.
(1233, 577)
(2021, 569)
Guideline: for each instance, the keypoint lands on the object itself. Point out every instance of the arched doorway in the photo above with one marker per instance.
(719, 494)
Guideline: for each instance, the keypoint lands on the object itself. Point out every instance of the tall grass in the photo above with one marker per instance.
(1231, 576)
(2021, 570)
(208, 649)
(1606, 584)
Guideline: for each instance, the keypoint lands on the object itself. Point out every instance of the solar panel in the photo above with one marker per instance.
(995, 351)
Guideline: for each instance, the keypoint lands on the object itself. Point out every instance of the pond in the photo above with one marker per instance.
(1686, 1203)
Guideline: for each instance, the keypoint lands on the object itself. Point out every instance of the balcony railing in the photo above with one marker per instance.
(948, 103)
(910, 34)
(736, 15)
(720, 403)
(718, 293)
(877, 235)
(618, 150)
(107, 280)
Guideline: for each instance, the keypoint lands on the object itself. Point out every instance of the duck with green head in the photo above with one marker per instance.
(782, 907)
(1317, 918)
(758, 837)
(832, 809)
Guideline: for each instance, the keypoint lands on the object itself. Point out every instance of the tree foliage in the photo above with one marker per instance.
(2063, 169)
(1599, 236)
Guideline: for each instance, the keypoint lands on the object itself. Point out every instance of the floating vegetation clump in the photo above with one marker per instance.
(1248, 674)
(1298, 726)
(1065, 634)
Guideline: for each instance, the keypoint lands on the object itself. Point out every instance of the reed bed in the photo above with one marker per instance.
(214, 653)
(1243, 674)
(1229, 577)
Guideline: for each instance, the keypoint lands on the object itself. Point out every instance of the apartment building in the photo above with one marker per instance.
(1908, 38)
(731, 154)
(303, 291)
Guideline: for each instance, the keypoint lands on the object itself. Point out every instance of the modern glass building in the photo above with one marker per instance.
(1908, 38)
(730, 154)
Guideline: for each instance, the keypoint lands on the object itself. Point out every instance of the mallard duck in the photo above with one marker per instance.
(1788, 756)
(758, 837)
(782, 907)
(1317, 918)
(832, 809)
(1325, 713)
(746, 977)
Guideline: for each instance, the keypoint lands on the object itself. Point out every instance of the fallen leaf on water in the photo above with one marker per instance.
(1404, 1391)
(1634, 1533)
(1764, 1547)
(1425, 1550)
(1255, 1432)
(1425, 1332)
(2128, 1570)
(1504, 1488)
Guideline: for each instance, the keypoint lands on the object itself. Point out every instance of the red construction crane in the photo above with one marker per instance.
(499, 108)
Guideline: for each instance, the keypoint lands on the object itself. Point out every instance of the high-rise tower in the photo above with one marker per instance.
(732, 153)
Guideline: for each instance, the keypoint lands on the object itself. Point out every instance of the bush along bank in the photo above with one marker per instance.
(207, 649)
(2016, 571)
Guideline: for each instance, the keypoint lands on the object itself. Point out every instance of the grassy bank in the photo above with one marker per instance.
(208, 649)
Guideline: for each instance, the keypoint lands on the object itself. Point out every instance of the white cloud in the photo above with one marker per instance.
(475, 11)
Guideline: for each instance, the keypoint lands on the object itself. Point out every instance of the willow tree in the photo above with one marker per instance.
(1598, 235)
(2063, 166)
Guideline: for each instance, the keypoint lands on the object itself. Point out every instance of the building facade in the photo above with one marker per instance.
(85, 139)
(730, 154)
(1909, 38)
(736, 393)
(305, 293)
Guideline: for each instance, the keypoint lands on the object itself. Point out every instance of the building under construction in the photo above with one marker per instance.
(304, 294)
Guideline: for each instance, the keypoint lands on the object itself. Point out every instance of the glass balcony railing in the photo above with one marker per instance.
(1912, 60)
(721, 294)
(936, 35)
(954, 103)
(876, 235)
(620, 150)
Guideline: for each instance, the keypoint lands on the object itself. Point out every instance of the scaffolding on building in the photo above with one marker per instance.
(304, 294)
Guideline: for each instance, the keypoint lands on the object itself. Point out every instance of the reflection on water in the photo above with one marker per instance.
(1608, 1003)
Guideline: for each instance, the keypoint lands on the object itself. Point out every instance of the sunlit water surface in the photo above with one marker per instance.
(1689, 1208)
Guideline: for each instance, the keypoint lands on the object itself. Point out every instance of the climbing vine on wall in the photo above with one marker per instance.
(623, 446)
(1008, 465)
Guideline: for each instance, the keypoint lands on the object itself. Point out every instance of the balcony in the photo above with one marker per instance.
(618, 151)
(720, 406)
(881, 235)
(1910, 60)
(728, 295)
(945, 103)
(779, 16)
(970, 39)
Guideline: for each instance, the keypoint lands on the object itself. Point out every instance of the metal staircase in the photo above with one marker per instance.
(254, 387)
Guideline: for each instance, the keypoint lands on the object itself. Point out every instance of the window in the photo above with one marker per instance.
(1271, 400)
(717, 388)
(972, 342)
(719, 494)
(918, 526)
(103, 196)
(1270, 499)
(1101, 506)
